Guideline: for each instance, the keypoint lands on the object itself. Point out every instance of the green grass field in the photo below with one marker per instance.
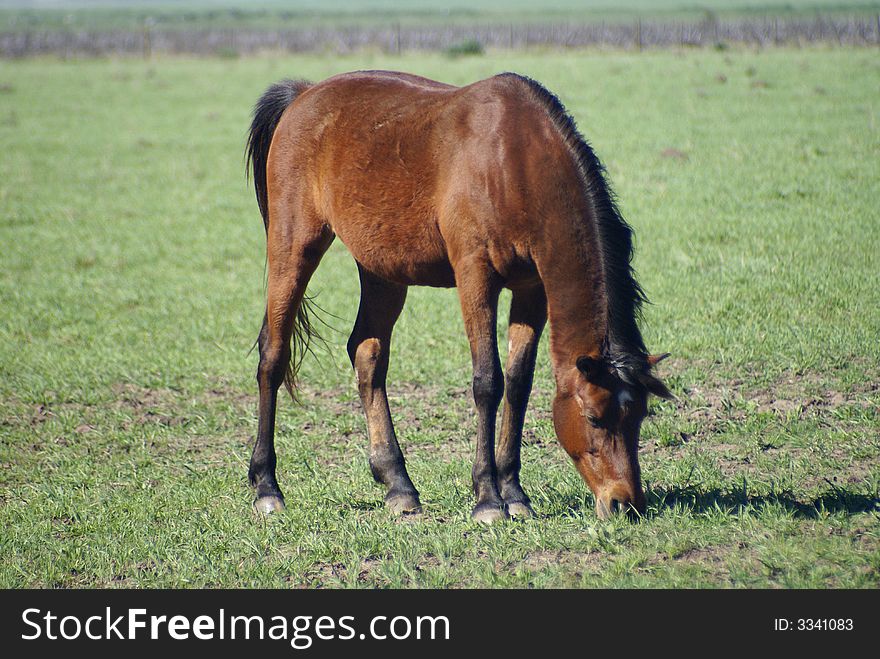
(131, 289)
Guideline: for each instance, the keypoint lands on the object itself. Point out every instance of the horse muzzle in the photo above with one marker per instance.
(619, 499)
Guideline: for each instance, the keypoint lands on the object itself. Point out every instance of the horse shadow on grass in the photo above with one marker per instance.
(697, 500)
(735, 502)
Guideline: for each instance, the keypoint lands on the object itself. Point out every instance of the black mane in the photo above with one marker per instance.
(625, 349)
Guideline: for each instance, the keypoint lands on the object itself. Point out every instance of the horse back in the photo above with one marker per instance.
(414, 175)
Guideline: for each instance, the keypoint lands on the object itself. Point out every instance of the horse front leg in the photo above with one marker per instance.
(528, 315)
(369, 350)
(478, 291)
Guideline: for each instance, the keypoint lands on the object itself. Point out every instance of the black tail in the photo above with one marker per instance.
(267, 114)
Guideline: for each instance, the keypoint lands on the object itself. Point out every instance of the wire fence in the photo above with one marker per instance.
(395, 38)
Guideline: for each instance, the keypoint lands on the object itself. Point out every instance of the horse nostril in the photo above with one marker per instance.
(615, 506)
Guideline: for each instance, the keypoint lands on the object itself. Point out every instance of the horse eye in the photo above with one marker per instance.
(594, 421)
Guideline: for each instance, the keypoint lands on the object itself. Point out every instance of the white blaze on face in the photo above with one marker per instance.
(624, 397)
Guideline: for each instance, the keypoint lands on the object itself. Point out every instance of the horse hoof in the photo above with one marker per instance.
(489, 513)
(520, 510)
(403, 504)
(269, 504)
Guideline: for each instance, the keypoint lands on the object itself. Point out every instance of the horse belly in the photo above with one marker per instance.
(398, 253)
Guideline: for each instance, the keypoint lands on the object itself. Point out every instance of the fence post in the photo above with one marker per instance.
(639, 34)
(397, 38)
(147, 46)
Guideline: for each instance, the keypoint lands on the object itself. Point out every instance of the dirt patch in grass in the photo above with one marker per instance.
(674, 154)
(786, 390)
(702, 555)
(143, 405)
(136, 397)
(717, 402)
(336, 400)
(573, 563)
(445, 452)
(141, 412)
(714, 560)
(748, 427)
(429, 406)
(417, 411)
(163, 406)
(322, 574)
(368, 572)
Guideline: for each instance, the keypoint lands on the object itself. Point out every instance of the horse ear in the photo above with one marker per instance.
(655, 386)
(653, 360)
(589, 366)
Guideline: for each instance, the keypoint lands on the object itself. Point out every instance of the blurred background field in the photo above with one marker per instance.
(228, 28)
(131, 290)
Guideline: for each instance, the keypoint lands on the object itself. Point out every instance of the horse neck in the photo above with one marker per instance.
(577, 307)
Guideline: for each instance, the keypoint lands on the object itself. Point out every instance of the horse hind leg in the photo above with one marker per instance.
(528, 315)
(369, 348)
(291, 264)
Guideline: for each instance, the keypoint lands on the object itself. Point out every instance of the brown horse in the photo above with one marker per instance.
(479, 187)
